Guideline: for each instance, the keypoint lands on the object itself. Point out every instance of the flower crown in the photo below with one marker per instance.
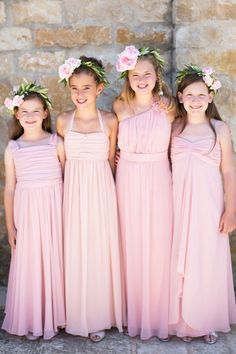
(128, 58)
(23, 90)
(207, 74)
(67, 69)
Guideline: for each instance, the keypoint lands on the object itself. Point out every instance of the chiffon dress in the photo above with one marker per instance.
(35, 295)
(145, 212)
(202, 294)
(92, 249)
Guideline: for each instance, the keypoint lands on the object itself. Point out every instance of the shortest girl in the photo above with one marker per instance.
(202, 300)
(33, 205)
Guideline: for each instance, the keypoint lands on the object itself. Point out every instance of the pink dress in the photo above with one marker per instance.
(202, 294)
(92, 257)
(145, 211)
(35, 297)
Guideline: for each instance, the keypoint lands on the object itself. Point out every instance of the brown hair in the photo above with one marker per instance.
(17, 130)
(87, 70)
(211, 111)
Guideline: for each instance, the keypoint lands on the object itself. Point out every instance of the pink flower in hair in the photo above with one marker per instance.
(9, 103)
(17, 101)
(207, 70)
(73, 62)
(208, 80)
(65, 71)
(127, 59)
(216, 85)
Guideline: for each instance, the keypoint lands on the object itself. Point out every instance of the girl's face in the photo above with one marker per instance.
(143, 77)
(84, 90)
(31, 114)
(195, 98)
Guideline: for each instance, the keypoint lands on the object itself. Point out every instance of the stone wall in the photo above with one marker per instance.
(37, 36)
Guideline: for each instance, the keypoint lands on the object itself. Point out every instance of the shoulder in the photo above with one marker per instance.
(222, 128)
(110, 119)
(177, 126)
(121, 108)
(64, 117)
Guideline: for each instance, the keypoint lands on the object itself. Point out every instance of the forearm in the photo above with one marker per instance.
(230, 191)
(9, 209)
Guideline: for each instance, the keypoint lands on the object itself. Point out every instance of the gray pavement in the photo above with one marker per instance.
(114, 343)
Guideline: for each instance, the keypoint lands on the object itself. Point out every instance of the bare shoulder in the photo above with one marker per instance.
(222, 129)
(62, 121)
(110, 119)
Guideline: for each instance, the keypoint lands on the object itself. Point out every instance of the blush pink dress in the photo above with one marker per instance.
(202, 294)
(35, 296)
(92, 249)
(145, 212)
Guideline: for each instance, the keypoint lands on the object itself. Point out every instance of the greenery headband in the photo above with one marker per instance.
(206, 73)
(129, 57)
(23, 90)
(67, 69)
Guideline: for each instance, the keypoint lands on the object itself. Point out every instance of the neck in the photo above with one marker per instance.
(196, 119)
(34, 134)
(86, 114)
(143, 100)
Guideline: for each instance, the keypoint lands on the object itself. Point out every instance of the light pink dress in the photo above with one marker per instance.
(92, 250)
(35, 297)
(202, 294)
(145, 211)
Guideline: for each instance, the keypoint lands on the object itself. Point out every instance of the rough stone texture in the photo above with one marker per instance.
(126, 12)
(2, 12)
(34, 11)
(41, 61)
(7, 66)
(145, 35)
(15, 38)
(187, 11)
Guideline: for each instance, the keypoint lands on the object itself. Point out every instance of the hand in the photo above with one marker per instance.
(12, 238)
(117, 157)
(227, 222)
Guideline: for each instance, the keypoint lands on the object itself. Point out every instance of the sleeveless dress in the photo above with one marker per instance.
(202, 294)
(145, 211)
(92, 257)
(35, 296)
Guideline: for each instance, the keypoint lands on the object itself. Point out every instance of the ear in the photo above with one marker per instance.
(16, 114)
(211, 96)
(179, 95)
(100, 88)
(45, 113)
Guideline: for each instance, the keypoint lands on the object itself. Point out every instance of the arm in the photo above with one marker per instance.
(228, 219)
(61, 153)
(112, 124)
(60, 125)
(9, 191)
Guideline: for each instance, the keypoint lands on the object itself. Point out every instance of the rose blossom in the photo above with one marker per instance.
(127, 59)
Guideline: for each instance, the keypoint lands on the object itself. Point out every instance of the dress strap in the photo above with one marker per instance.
(102, 123)
(71, 121)
(53, 139)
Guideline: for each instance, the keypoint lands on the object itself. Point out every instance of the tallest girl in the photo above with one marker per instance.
(144, 190)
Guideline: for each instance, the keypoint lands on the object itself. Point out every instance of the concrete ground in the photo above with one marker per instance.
(114, 343)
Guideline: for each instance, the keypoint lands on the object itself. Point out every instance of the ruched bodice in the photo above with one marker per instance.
(205, 149)
(145, 133)
(36, 164)
(87, 146)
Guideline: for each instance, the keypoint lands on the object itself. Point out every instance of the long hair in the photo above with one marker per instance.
(211, 111)
(127, 94)
(17, 130)
(87, 70)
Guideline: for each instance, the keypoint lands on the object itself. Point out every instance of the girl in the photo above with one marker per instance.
(92, 259)
(202, 295)
(33, 205)
(144, 190)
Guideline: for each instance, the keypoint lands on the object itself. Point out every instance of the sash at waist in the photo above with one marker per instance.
(132, 156)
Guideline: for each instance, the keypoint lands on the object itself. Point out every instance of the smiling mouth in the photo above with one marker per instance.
(30, 122)
(198, 107)
(143, 86)
(81, 101)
